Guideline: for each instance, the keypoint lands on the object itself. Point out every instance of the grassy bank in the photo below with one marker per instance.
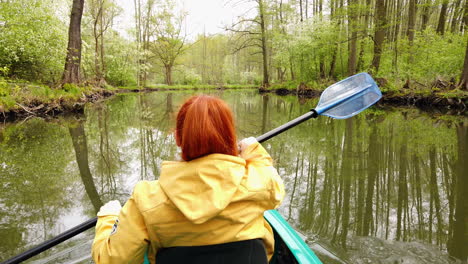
(438, 93)
(18, 98)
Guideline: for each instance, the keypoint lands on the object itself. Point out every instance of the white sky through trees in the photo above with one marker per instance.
(210, 16)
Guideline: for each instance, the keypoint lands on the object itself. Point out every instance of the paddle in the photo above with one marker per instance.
(341, 100)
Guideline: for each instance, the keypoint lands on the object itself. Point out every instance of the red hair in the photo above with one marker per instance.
(205, 125)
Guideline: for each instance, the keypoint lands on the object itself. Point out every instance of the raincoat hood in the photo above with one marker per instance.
(203, 187)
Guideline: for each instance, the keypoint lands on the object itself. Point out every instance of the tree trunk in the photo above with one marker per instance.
(457, 10)
(71, 73)
(103, 64)
(360, 62)
(168, 74)
(411, 21)
(425, 14)
(379, 36)
(465, 17)
(97, 67)
(333, 7)
(264, 44)
(395, 34)
(291, 68)
(443, 14)
(352, 17)
(464, 76)
(146, 36)
(300, 10)
(137, 4)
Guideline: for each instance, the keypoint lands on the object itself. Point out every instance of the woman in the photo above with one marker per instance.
(207, 208)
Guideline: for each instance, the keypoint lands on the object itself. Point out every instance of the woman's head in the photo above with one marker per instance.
(204, 126)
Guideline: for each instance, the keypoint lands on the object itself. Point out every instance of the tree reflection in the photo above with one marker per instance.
(35, 183)
(458, 243)
(78, 136)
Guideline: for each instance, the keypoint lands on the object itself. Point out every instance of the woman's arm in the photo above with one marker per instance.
(121, 238)
(260, 170)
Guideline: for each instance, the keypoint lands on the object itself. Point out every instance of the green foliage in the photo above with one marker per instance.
(71, 88)
(4, 90)
(389, 87)
(454, 94)
(6, 100)
(250, 78)
(119, 59)
(307, 45)
(190, 77)
(208, 57)
(430, 56)
(4, 71)
(32, 40)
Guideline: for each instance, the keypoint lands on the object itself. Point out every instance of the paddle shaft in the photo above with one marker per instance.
(92, 222)
(54, 241)
(288, 125)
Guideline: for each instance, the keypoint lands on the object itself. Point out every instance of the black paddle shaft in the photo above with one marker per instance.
(311, 114)
(92, 222)
(54, 241)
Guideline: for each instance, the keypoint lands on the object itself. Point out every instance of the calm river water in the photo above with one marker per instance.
(386, 186)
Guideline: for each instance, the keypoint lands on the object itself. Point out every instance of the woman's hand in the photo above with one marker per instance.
(245, 143)
(110, 208)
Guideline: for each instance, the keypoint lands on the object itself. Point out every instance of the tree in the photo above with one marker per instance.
(425, 13)
(352, 17)
(71, 73)
(442, 17)
(32, 41)
(411, 20)
(464, 76)
(102, 13)
(253, 33)
(261, 13)
(170, 39)
(379, 36)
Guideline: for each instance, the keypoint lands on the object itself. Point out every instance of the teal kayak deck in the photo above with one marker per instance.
(301, 251)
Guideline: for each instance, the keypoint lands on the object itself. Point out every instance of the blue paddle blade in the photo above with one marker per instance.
(349, 97)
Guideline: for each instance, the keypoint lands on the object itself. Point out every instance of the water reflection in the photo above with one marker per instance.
(80, 145)
(384, 186)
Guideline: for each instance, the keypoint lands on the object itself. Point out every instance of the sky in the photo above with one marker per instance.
(203, 15)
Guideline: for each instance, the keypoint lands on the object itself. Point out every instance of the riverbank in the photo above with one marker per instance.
(20, 100)
(445, 97)
(23, 100)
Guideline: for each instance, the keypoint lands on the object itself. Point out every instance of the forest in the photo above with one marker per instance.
(418, 45)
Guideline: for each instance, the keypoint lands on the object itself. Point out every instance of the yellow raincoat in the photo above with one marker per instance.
(210, 200)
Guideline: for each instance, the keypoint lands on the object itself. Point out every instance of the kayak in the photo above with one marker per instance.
(290, 248)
